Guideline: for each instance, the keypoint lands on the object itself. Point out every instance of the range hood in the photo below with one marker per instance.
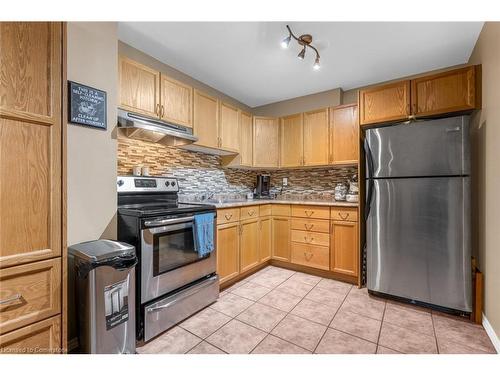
(151, 130)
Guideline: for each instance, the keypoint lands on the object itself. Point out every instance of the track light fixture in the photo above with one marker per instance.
(304, 40)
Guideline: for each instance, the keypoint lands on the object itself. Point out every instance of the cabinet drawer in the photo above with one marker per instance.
(29, 293)
(249, 212)
(312, 238)
(39, 338)
(281, 209)
(311, 212)
(345, 213)
(310, 255)
(311, 225)
(228, 215)
(265, 210)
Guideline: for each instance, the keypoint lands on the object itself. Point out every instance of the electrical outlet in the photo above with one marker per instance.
(285, 181)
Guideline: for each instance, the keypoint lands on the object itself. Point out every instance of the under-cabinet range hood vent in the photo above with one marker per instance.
(151, 130)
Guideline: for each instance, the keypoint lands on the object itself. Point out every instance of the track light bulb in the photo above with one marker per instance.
(302, 53)
(316, 65)
(285, 42)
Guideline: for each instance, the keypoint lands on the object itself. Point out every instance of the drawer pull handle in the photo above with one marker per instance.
(308, 255)
(15, 297)
(251, 212)
(309, 214)
(311, 240)
(311, 227)
(228, 216)
(342, 216)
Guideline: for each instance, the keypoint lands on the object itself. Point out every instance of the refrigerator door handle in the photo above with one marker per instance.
(369, 170)
(369, 197)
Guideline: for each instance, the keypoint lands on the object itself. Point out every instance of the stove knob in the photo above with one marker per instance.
(120, 182)
(173, 183)
(167, 183)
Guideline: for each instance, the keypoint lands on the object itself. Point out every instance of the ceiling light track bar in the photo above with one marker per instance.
(304, 40)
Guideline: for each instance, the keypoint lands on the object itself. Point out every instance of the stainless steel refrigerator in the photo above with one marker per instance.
(418, 240)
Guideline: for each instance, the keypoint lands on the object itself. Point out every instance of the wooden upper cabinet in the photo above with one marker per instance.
(451, 91)
(176, 100)
(246, 139)
(344, 136)
(316, 148)
(30, 141)
(229, 127)
(292, 141)
(385, 103)
(206, 117)
(139, 88)
(265, 142)
(30, 71)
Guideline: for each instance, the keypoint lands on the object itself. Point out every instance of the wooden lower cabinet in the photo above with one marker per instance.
(43, 337)
(265, 238)
(249, 244)
(281, 238)
(344, 248)
(228, 250)
(311, 255)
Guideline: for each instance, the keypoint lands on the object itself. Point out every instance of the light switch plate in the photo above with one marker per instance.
(285, 181)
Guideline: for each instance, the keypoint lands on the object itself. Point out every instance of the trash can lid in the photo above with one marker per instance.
(100, 250)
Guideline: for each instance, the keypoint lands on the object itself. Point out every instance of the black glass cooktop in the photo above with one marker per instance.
(156, 208)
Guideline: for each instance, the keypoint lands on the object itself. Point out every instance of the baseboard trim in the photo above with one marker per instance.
(491, 333)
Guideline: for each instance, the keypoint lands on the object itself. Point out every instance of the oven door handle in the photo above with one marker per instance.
(155, 223)
(184, 295)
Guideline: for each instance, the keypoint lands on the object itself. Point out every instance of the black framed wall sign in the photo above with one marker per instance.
(87, 106)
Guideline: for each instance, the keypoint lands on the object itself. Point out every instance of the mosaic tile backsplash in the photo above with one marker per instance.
(200, 173)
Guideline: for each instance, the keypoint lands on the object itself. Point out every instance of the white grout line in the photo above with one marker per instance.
(491, 333)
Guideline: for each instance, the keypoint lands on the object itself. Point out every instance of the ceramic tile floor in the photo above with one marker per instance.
(281, 311)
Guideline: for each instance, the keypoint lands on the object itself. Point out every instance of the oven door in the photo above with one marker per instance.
(169, 259)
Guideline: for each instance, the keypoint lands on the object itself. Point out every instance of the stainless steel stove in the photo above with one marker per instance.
(173, 281)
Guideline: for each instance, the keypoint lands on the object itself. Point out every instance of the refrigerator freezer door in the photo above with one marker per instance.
(418, 241)
(423, 148)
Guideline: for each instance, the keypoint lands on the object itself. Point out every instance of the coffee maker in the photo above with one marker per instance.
(263, 186)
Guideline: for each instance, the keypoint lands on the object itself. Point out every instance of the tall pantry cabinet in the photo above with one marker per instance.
(31, 188)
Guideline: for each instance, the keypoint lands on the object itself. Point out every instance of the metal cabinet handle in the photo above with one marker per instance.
(311, 240)
(308, 215)
(308, 255)
(311, 227)
(342, 216)
(162, 111)
(228, 216)
(15, 297)
(251, 213)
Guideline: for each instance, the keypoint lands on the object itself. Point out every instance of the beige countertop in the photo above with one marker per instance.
(253, 202)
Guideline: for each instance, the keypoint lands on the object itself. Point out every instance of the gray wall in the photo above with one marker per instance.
(91, 153)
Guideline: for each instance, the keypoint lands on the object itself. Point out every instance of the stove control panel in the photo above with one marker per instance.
(135, 184)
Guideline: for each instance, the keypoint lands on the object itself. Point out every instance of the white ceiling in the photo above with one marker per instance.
(245, 61)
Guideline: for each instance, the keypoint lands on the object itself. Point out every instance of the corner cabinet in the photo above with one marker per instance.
(246, 139)
(265, 142)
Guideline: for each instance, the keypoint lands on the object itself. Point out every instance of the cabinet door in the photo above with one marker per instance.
(265, 142)
(385, 103)
(206, 117)
(229, 128)
(246, 139)
(176, 101)
(228, 249)
(139, 88)
(291, 141)
(316, 149)
(30, 141)
(281, 238)
(451, 91)
(344, 141)
(249, 244)
(265, 244)
(344, 248)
